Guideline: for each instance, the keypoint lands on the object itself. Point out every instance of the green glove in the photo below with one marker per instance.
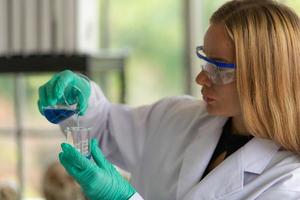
(99, 180)
(65, 86)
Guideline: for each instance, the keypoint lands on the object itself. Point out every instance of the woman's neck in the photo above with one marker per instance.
(238, 126)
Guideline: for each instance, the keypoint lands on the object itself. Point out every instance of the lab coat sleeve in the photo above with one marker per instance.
(121, 130)
(136, 196)
(272, 194)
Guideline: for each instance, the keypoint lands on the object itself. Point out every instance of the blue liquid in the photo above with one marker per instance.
(56, 116)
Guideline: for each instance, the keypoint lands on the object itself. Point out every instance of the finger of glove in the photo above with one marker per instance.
(83, 177)
(70, 167)
(43, 96)
(64, 79)
(98, 156)
(50, 90)
(73, 156)
(46, 96)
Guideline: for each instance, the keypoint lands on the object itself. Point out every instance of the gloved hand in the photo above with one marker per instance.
(65, 86)
(99, 180)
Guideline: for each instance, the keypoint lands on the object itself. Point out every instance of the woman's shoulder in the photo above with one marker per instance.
(285, 158)
(287, 164)
(183, 103)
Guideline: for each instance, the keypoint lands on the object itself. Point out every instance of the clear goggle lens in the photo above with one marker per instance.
(218, 75)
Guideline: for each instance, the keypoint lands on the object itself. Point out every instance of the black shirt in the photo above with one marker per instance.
(227, 145)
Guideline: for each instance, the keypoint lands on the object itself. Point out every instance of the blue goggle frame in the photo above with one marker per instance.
(217, 63)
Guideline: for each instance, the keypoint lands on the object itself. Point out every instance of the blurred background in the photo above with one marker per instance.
(137, 51)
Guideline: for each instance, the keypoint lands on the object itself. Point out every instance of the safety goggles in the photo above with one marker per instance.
(219, 73)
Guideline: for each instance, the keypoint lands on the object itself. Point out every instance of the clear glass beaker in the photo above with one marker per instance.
(57, 113)
(79, 138)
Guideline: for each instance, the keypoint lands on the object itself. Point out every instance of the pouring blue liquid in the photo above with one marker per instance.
(57, 115)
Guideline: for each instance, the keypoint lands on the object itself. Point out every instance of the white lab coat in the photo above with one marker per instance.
(167, 146)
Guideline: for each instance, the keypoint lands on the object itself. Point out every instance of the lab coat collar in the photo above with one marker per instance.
(253, 157)
(257, 153)
(198, 153)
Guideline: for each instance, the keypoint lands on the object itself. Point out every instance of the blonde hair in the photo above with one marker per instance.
(266, 36)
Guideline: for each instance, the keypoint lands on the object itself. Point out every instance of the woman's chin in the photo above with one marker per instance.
(213, 110)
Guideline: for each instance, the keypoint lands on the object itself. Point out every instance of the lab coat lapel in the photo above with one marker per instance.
(253, 158)
(198, 154)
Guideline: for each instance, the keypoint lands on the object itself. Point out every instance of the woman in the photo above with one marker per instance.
(241, 143)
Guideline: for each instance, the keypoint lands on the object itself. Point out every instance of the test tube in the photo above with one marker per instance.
(79, 137)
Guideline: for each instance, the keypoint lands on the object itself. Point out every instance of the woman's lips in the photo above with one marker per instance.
(207, 98)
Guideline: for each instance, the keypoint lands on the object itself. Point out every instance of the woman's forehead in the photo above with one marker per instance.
(218, 44)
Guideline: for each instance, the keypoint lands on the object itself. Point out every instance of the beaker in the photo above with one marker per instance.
(57, 113)
(79, 138)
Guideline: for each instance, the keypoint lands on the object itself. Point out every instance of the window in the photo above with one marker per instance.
(153, 32)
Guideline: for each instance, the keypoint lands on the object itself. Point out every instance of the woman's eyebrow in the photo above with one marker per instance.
(219, 59)
(216, 58)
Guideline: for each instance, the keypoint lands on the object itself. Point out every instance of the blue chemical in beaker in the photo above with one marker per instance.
(57, 115)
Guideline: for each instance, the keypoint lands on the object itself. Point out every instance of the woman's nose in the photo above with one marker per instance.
(203, 79)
